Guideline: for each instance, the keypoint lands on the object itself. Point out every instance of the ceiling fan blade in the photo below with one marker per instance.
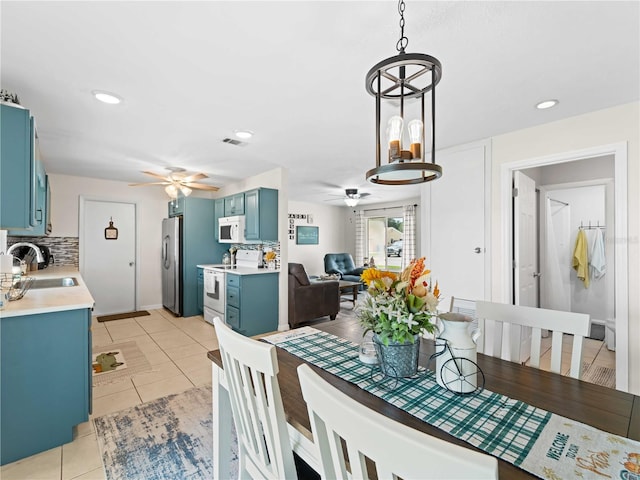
(148, 183)
(193, 178)
(162, 177)
(202, 186)
(362, 195)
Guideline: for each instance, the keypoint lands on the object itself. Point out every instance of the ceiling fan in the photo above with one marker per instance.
(177, 181)
(351, 196)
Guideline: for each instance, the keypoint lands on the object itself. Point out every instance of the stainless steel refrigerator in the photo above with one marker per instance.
(172, 264)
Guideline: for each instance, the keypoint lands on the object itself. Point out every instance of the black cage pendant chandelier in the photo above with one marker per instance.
(402, 82)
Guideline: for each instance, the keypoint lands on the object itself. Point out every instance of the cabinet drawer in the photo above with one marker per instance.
(233, 281)
(233, 297)
(233, 317)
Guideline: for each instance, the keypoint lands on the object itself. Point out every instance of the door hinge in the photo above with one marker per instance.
(513, 264)
(514, 192)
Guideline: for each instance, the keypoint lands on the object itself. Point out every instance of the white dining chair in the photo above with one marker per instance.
(251, 369)
(342, 426)
(495, 315)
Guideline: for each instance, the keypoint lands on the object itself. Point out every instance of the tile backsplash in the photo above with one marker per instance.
(65, 250)
(266, 246)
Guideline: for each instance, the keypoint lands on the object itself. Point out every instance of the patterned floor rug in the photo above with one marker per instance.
(134, 362)
(599, 375)
(168, 438)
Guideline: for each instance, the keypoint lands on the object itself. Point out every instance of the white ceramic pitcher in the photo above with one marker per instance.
(454, 329)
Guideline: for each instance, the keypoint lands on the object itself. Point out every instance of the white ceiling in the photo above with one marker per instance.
(293, 72)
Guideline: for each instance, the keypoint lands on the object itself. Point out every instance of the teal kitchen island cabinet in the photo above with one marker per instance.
(45, 377)
(252, 302)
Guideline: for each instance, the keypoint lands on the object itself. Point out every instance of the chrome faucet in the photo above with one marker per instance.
(39, 256)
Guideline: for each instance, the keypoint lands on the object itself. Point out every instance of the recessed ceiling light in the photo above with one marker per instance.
(546, 104)
(243, 133)
(106, 97)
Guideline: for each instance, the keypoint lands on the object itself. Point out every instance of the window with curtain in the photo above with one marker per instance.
(384, 241)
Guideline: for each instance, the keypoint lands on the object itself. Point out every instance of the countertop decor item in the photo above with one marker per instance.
(403, 80)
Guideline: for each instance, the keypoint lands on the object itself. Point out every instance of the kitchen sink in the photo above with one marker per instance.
(53, 282)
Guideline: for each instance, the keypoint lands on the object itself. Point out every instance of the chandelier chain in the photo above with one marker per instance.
(403, 41)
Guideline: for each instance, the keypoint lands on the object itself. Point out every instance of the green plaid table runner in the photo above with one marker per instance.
(540, 442)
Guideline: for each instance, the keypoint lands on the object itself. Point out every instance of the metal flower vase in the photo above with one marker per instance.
(398, 359)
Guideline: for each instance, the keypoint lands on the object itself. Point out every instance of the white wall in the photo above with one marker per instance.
(331, 235)
(603, 127)
(152, 208)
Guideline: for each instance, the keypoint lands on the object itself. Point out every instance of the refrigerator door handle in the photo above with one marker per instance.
(165, 248)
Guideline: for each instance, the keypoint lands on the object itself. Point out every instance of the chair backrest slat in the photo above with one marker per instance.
(496, 315)
(396, 450)
(251, 369)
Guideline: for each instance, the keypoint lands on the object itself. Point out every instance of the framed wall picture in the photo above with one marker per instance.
(306, 235)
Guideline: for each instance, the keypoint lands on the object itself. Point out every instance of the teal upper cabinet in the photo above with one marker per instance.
(42, 201)
(18, 175)
(234, 205)
(261, 214)
(176, 207)
(218, 212)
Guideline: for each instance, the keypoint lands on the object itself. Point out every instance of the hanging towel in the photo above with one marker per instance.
(597, 258)
(580, 258)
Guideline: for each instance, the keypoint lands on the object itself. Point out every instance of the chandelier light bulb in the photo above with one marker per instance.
(394, 134)
(415, 128)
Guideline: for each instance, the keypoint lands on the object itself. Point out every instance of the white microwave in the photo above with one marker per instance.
(231, 229)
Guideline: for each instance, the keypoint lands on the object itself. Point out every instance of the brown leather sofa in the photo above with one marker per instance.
(310, 300)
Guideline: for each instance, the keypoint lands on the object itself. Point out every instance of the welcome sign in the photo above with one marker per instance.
(567, 449)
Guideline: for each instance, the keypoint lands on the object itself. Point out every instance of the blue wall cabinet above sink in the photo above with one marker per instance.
(19, 185)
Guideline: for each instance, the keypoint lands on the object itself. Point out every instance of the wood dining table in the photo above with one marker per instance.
(603, 408)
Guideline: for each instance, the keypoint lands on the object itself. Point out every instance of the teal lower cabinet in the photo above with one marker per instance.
(45, 375)
(252, 303)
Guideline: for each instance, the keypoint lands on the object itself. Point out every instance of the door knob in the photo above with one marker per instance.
(477, 250)
(537, 274)
(131, 264)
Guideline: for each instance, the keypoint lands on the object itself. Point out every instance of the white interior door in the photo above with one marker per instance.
(108, 265)
(525, 275)
(454, 219)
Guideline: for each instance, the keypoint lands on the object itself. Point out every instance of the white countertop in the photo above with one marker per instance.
(238, 270)
(45, 300)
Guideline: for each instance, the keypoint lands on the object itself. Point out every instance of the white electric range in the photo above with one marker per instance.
(215, 281)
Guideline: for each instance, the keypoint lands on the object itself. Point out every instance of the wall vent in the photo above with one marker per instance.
(232, 141)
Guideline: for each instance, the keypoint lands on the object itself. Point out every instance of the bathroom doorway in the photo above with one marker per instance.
(605, 169)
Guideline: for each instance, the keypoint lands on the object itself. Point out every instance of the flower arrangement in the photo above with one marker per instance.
(397, 309)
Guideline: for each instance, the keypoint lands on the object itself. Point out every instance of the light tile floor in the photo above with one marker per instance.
(176, 348)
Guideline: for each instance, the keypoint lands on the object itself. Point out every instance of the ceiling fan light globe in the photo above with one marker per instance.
(186, 191)
(171, 190)
(351, 202)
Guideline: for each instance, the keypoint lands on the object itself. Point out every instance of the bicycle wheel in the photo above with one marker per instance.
(462, 376)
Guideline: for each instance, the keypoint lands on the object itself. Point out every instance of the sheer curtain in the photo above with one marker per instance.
(360, 247)
(409, 234)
